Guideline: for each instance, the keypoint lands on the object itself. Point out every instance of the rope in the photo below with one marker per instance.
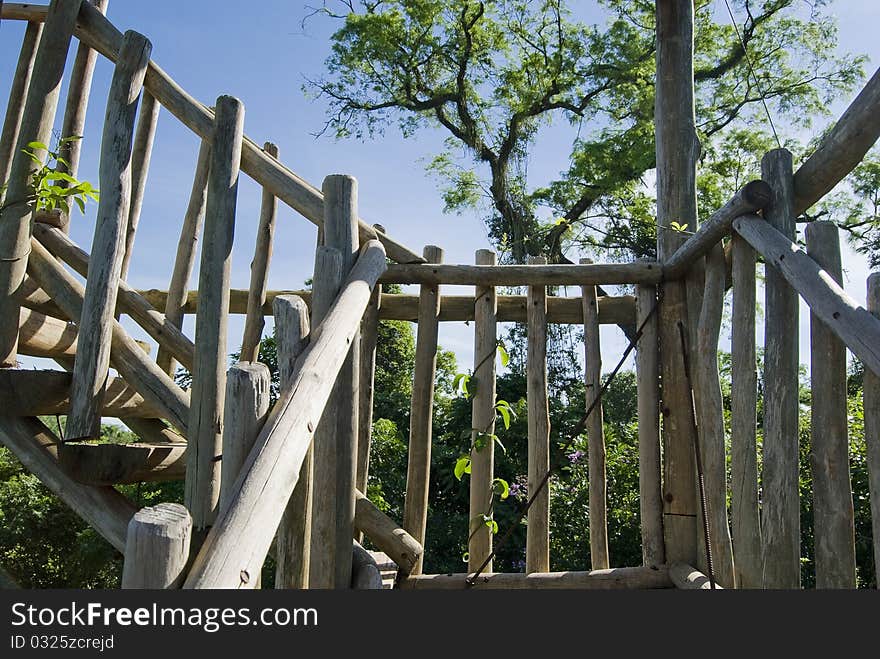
(752, 71)
(578, 429)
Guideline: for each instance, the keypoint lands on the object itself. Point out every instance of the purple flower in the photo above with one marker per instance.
(575, 456)
(519, 565)
(519, 487)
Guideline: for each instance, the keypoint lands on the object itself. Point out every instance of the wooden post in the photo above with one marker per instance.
(36, 125)
(253, 325)
(336, 439)
(744, 501)
(294, 535)
(418, 472)
(595, 431)
(142, 152)
(17, 94)
(648, 395)
(186, 252)
(710, 417)
(386, 535)
(369, 339)
(209, 376)
(677, 152)
(538, 528)
(871, 402)
(833, 515)
(781, 511)
(99, 305)
(157, 547)
(483, 419)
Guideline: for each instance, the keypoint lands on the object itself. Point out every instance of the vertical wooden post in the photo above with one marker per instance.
(99, 306)
(334, 471)
(871, 402)
(369, 340)
(17, 95)
(833, 515)
(677, 152)
(36, 125)
(204, 440)
(595, 432)
(780, 520)
(253, 325)
(157, 547)
(418, 472)
(648, 395)
(295, 530)
(538, 528)
(483, 419)
(186, 252)
(747, 545)
(140, 166)
(710, 416)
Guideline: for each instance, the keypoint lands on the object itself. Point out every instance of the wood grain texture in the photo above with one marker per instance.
(386, 534)
(120, 464)
(45, 336)
(620, 578)
(687, 578)
(524, 275)
(157, 547)
(369, 341)
(871, 406)
(17, 94)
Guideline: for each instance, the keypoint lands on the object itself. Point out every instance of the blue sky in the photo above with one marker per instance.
(262, 55)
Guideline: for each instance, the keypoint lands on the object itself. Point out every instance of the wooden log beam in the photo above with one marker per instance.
(618, 578)
(101, 34)
(119, 464)
(833, 515)
(157, 547)
(17, 94)
(240, 539)
(105, 509)
(205, 436)
(253, 325)
(128, 301)
(871, 406)
(841, 149)
(36, 125)
(365, 573)
(386, 534)
(421, 419)
(613, 310)
(752, 197)
(687, 578)
(99, 304)
(369, 340)
(127, 357)
(45, 336)
(522, 275)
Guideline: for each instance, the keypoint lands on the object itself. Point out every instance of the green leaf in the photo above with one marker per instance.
(462, 466)
(500, 445)
(503, 354)
(81, 204)
(38, 145)
(71, 138)
(501, 488)
(491, 523)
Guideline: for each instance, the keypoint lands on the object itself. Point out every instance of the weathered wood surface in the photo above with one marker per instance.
(157, 547)
(677, 151)
(253, 325)
(687, 578)
(105, 509)
(23, 11)
(294, 536)
(365, 573)
(36, 125)
(710, 417)
(119, 464)
(599, 559)
(538, 527)
(46, 392)
(744, 498)
(126, 356)
(17, 93)
(613, 310)
(841, 149)
(101, 34)
(128, 301)
(521, 275)
(619, 578)
(175, 300)
(386, 534)
(153, 431)
(205, 436)
(781, 510)
(752, 197)
(421, 421)
(142, 152)
(369, 339)
(833, 515)
(99, 304)
(482, 419)
(44, 336)
(648, 396)
(871, 406)
(240, 539)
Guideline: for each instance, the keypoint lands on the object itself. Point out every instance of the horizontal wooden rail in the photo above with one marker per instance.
(687, 578)
(117, 464)
(45, 336)
(753, 196)
(857, 328)
(525, 275)
(23, 11)
(386, 534)
(617, 578)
